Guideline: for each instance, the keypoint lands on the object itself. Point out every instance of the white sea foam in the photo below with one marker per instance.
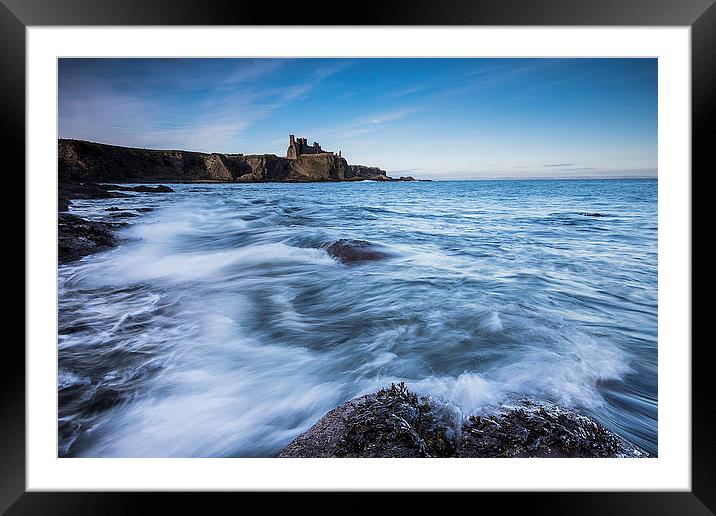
(569, 376)
(219, 327)
(493, 324)
(229, 396)
(67, 379)
(140, 261)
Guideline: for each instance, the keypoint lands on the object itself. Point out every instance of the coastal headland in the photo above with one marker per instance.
(83, 161)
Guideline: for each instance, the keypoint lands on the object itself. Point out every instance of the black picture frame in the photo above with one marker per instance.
(17, 15)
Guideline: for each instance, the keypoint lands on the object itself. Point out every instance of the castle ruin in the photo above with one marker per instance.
(298, 146)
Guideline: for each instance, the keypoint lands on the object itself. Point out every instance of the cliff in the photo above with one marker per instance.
(95, 162)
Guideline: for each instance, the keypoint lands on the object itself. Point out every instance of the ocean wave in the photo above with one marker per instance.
(220, 327)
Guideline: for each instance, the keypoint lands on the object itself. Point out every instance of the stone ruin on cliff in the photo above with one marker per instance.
(298, 146)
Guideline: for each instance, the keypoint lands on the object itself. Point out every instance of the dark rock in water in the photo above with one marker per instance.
(113, 208)
(396, 423)
(85, 191)
(160, 188)
(63, 202)
(78, 237)
(406, 178)
(145, 209)
(541, 430)
(143, 189)
(351, 251)
(587, 214)
(124, 214)
(390, 423)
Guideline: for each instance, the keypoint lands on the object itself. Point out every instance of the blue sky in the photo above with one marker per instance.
(430, 118)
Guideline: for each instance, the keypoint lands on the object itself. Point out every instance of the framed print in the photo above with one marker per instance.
(424, 249)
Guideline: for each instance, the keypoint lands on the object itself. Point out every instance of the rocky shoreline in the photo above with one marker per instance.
(78, 237)
(396, 423)
(85, 168)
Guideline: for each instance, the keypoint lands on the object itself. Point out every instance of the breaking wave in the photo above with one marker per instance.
(221, 327)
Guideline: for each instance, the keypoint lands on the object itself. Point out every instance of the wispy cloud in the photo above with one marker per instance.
(551, 116)
(407, 90)
(365, 125)
(498, 75)
(223, 104)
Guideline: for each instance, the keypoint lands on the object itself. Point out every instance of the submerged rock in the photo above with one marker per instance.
(588, 214)
(397, 423)
(78, 237)
(351, 251)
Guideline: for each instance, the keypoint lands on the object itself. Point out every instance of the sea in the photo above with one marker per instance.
(221, 327)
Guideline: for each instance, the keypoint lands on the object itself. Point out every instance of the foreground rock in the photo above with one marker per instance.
(541, 430)
(396, 423)
(78, 237)
(352, 251)
(390, 423)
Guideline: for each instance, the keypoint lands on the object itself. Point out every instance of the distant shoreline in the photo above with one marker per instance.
(210, 181)
(80, 161)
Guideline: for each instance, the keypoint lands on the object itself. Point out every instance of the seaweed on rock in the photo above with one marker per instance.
(396, 423)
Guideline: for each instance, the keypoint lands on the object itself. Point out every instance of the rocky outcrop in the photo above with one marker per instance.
(141, 188)
(370, 173)
(531, 429)
(82, 161)
(352, 251)
(77, 237)
(66, 191)
(393, 422)
(71, 190)
(397, 423)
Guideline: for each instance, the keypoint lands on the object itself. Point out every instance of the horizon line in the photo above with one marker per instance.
(403, 172)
